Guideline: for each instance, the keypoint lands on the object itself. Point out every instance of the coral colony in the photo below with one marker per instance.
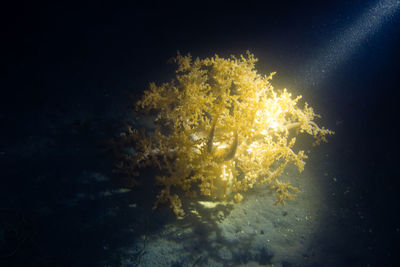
(221, 128)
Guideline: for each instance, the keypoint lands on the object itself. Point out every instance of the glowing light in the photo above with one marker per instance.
(273, 124)
(340, 48)
(225, 174)
(270, 117)
(252, 147)
(220, 146)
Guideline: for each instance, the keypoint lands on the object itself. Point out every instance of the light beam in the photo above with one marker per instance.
(343, 46)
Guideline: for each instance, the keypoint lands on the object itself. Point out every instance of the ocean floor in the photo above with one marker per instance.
(254, 232)
(65, 207)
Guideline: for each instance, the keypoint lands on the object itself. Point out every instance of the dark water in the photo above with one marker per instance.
(68, 73)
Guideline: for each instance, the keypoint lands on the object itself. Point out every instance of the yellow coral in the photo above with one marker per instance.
(221, 128)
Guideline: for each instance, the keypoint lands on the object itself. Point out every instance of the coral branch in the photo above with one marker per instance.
(221, 128)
